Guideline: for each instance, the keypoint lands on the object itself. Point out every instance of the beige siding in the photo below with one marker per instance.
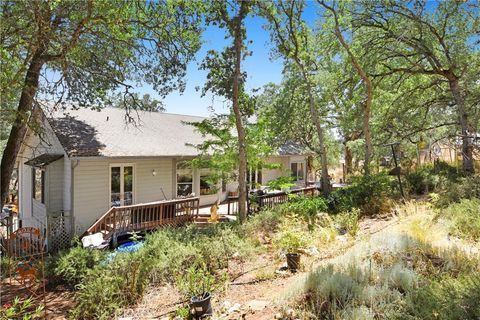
(54, 186)
(91, 185)
(90, 188)
(284, 170)
(149, 187)
(31, 211)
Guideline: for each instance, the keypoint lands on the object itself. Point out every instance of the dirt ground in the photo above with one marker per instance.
(257, 289)
(58, 301)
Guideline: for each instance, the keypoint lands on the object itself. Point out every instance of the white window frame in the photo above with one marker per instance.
(43, 185)
(208, 171)
(176, 178)
(304, 164)
(122, 194)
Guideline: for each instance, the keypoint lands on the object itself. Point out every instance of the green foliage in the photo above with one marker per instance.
(430, 178)
(7, 265)
(305, 207)
(266, 222)
(465, 218)
(445, 298)
(371, 194)
(198, 281)
(464, 188)
(413, 281)
(110, 287)
(281, 183)
(73, 266)
(348, 221)
(21, 309)
(290, 237)
(165, 256)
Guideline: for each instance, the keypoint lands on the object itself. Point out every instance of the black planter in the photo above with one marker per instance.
(293, 261)
(201, 306)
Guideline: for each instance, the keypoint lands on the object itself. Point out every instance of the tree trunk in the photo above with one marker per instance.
(467, 147)
(368, 83)
(242, 152)
(366, 127)
(348, 160)
(20, 125)
(325, 181)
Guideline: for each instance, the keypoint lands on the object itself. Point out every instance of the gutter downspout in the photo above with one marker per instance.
(72, 194)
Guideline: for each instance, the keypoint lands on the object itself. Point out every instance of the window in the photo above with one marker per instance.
(298, 170)
(184, 179)
(254, 178)
(207, 183)
(121, 185)
(38, 179)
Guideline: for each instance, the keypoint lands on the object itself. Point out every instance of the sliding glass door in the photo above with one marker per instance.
(121, 185)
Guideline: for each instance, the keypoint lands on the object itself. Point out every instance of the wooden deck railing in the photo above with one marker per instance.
(270, 200)
(146, 216)
(266, 201)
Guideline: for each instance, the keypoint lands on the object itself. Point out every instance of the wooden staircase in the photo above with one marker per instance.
(146, 216)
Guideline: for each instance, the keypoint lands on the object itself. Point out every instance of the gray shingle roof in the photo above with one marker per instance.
(292, 148)
(86, 132)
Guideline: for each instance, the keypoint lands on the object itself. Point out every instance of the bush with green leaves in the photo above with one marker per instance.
(72, 266)
(465, 218)
(412, 280)
(197, 281)
(7, 266)
(463, 188)
(265, 222)
(371, 194)
(291, 237)
(444, 298)
(349, 221)
(305, 207)
(430, 177)
(112, 286)
(26, 309)
(281, 183)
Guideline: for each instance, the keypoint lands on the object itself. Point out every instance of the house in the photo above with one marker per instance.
(84, 162)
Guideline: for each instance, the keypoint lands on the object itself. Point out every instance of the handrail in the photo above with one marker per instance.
(271, 200)
(145, 216)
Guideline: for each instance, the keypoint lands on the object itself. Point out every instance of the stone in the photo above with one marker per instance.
(257, 305)
(234, 308)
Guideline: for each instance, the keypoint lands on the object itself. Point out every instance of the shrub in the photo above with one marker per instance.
(305, 207)
(464, 188)
(348, 221)
(73, 265)
(266, 222)
(110, 287)
(197, 281)
(7, 265)
(430, 178)
(446, 298)
(371, 194)
(290, 237)
(18, 309)
(465, 218)
(281, 183)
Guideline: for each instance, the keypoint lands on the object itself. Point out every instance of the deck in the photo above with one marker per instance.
(119, 221)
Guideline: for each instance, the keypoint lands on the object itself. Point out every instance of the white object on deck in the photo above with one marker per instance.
(93, 240)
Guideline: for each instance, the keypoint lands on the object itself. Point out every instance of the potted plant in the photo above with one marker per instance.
(290, 241)
(197, 284)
